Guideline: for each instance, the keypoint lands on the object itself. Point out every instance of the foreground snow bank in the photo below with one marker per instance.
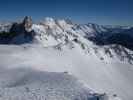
(28, 84)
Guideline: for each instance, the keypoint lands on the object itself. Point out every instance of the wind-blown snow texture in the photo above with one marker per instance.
(61, 46)
(25, 84)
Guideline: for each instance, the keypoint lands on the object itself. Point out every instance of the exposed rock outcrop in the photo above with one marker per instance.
(19, 32)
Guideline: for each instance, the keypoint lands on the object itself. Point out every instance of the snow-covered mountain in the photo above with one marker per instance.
(99, 56)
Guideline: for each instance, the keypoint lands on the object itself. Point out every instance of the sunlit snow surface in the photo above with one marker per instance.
(28, 84)
(100, 76)
(45, 68)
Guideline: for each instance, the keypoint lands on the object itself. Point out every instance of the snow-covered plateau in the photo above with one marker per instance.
(60, 60)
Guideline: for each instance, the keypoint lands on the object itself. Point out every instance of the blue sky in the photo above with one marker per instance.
(117, 12)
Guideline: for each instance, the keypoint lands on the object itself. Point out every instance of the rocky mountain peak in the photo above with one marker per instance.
(27, 22)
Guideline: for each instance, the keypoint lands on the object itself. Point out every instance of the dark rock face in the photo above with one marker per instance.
(118, 36)
(17, 28)
(122, 39)
(22, 29)
(27, 23)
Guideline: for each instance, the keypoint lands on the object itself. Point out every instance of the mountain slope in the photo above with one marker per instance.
(61, 46)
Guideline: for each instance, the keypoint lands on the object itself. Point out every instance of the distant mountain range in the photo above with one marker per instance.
(51, 32)
(99, 34)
